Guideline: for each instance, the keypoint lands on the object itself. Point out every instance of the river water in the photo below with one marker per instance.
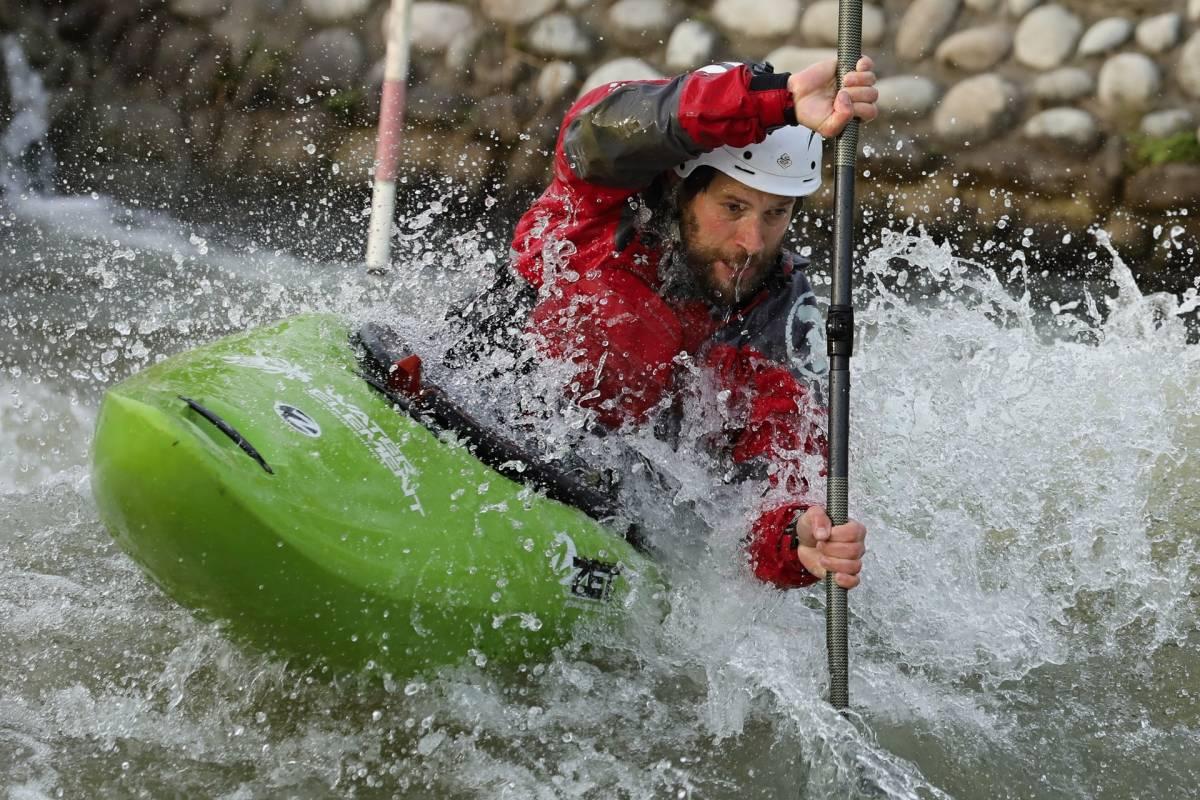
(1023, 454)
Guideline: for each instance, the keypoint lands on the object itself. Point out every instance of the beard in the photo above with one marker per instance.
(689, 270)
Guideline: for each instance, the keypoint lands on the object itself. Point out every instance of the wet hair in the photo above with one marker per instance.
(696, 182)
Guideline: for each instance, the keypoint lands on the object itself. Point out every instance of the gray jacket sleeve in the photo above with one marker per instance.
(628, 137)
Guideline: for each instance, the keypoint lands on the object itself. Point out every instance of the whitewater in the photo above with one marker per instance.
(1023, 452)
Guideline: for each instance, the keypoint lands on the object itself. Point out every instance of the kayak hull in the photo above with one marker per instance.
(263, 482)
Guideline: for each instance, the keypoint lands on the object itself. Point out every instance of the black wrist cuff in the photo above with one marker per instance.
(768, 81)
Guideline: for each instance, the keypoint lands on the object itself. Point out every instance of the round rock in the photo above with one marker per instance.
(237, 30)
(620, 69)
(433, 26)
(1019, 8)
(1188, 68)
(907, 95)
(923, 25)
(175, 61)
(1164, 187)
(1047, 37)
(975, 49)
(198, 9)
(516, 12)
(794, 59)
(559, 35)
(643, 17)
(460, 52)
(503, 115)
(1160, 33)
(977, 109)
(1128, 80)
(333, 57)
(1105, 35)
(820, 23)
(556, 79)
(329, 11)
(1064, 85)
(757, 19)
(692, 44)
(1064, 126)
(1163, 124)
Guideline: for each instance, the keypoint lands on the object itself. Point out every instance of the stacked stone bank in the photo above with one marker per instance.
(1079, 112)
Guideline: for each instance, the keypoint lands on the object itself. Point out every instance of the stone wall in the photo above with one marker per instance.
(998, 113)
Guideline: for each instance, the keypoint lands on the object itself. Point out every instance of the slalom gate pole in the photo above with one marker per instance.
(839, 330)
(391, 130)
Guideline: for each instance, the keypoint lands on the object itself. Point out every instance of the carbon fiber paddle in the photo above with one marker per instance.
(839, 329)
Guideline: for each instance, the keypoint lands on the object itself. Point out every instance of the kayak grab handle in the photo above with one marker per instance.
(230, 431)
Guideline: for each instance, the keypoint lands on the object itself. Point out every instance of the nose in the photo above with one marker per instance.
(749, 236)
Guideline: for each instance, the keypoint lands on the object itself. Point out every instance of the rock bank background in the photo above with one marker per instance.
(1005, 121)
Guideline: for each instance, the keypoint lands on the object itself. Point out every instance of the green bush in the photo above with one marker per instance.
(343, 104)
(1149, 151)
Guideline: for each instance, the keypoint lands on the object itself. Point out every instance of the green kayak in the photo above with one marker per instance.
(297, 484)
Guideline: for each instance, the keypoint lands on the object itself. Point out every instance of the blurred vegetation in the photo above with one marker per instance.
(343, 104)
(1149, 151)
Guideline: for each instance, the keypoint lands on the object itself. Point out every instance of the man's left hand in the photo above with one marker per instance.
(822, 108)
(824, 546)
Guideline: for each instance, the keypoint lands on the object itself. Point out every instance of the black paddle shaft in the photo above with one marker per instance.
(839, 329)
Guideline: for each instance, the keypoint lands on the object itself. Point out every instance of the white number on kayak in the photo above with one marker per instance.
(298, 420)
(584, 578)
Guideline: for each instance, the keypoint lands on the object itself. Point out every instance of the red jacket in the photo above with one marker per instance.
(588, 245)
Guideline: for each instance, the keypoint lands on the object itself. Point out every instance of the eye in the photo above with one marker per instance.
(733, 208)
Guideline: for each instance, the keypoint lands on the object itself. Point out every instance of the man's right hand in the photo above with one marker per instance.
(822, 108)
(824, 546)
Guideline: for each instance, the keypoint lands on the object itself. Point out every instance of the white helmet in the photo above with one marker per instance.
(787, 162)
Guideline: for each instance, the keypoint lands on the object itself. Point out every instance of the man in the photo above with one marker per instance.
(657, 246)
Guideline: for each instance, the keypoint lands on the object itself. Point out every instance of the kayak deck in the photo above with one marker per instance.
(356, 535)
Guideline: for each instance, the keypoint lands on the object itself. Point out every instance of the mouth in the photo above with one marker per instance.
(727, 281)
(740, 277)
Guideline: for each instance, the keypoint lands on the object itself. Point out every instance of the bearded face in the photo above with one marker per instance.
(731, 236)
(725, 274)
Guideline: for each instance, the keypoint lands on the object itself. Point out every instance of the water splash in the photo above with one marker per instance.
(1026, 625)
(28, 161)
(1027, 488)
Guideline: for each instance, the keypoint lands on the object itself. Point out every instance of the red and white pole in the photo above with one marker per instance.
(391, 128)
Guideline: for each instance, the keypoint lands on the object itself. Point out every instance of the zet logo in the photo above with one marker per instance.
(298, 420)
(584, 578)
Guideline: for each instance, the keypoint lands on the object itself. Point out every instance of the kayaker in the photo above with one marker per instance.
(656, 251)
